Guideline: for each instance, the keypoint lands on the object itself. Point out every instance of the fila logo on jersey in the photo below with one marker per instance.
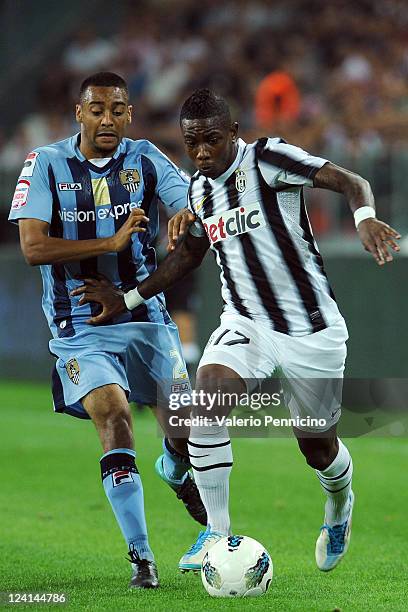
(121, 476)
(234, 222)
(69, 186)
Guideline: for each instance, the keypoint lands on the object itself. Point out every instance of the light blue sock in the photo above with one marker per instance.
(175, 466)
(123, 488)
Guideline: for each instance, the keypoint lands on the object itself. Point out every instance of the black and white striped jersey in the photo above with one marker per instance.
(255, 218)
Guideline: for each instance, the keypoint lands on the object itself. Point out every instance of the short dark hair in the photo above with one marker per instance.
(103, 79)
(203, 104)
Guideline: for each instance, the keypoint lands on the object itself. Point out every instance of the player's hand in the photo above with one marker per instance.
(178, 225)
(103, 292)
(378, 238)
(121, 239)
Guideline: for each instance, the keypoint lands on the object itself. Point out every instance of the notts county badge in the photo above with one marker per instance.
(130, 179)
(240, 180)
(72, 369)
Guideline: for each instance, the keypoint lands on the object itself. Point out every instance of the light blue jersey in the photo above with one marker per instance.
(81, 201)
(140, 350)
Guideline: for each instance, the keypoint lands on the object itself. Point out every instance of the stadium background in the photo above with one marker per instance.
(339, 89)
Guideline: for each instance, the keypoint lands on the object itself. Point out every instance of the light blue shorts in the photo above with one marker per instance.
(145, 359)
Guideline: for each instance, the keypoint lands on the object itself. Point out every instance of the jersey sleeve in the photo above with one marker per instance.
(196, 229)
(172, 182)
(32, 197)
(284, 164)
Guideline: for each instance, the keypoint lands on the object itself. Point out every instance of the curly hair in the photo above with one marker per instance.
(205, 104)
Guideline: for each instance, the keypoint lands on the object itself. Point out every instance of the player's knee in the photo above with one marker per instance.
(113, 416)
(120, 418)
(221, 381)
(209, 377)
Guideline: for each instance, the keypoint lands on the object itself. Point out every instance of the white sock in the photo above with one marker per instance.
(336, 482)
(211, 460)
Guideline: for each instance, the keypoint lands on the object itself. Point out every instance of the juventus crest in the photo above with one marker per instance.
(240, 180)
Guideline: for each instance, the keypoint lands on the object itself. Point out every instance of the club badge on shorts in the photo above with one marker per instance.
(72, 369)
(130, 179)
(240, 180)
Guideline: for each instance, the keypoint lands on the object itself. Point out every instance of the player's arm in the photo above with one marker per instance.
(375, 235)
(39, 248)
(187, 255)
(178, 225)
(284, 164)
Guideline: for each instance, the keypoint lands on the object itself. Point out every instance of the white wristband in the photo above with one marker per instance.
(362, 213)
(133, 299)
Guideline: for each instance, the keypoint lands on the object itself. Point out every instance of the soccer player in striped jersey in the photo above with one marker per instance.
(246, 204)
(87, 206)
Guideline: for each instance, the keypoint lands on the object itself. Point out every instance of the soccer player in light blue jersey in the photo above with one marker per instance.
(87, 206)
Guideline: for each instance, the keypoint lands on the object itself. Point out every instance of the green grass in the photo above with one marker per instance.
(58, 533)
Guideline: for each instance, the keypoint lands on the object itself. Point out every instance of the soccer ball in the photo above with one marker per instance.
(237, 566)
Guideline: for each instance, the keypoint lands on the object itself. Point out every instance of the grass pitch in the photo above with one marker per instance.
(58, 533)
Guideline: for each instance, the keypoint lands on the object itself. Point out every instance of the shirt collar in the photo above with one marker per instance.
(76, 139)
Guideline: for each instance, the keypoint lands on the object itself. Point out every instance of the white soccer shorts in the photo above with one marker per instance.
(254, 352)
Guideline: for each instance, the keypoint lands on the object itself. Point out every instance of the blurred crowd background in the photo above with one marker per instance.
(330, 77)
